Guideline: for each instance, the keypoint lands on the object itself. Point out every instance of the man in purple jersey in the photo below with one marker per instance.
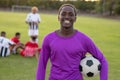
(65, 48)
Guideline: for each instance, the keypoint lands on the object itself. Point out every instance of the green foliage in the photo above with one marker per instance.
(109, 7)
(85, 6)
(117, 8)
(49, 4)
(98, 7)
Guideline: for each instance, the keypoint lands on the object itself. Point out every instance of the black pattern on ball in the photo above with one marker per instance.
(99, 67)
(83, 57)
(89, 63)
(90, 74)
(80, 68)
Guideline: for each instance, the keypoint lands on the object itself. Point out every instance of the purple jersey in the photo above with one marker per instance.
(65, 54)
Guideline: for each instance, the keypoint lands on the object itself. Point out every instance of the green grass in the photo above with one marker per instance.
(104, 32)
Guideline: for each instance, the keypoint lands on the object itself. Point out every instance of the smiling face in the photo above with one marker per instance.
(67, 17)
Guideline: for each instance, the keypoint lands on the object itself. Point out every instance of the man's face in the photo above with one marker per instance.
(3, 34)
(18, 36)
(67, 17)
(34, 11)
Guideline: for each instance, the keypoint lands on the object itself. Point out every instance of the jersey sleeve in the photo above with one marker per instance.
(27, 43)
(37, 45)
(1, 40)
(15, 40)
(10, 42)
(27, 18)
(39, 18)
(43, 59)
(93, 49)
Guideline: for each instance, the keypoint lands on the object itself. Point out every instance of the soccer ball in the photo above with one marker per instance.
(90, 66)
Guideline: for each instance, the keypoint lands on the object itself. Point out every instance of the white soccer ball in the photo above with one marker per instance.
(90, 66)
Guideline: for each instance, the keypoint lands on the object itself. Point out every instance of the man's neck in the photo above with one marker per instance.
(66, 32)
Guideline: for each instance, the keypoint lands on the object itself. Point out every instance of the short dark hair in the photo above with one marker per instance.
(3, 33)
(75, 10)
(17, 33)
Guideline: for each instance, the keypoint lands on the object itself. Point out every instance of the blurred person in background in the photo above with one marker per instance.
(5, 45)
(18, 44)
(33, 19)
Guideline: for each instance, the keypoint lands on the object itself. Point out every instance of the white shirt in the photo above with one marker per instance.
(33, 17)
(5, 42)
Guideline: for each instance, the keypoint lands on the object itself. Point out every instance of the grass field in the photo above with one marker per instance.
(104, 32)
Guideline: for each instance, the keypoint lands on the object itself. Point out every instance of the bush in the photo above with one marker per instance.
(117, 9)
(49, 4)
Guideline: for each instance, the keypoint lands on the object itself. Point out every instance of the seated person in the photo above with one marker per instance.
(5, 45)
(17, 42)
(31, 48)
